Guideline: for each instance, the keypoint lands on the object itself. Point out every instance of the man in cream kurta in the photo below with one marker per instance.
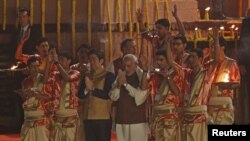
(130, 94)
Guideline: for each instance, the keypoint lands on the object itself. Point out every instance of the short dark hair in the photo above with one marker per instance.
(161, 52)
(163, 22)
(41, 40)
(66, 55)
(23, 9)
(181, 37)
(32, 59)
(125, 42)
(96, 52)
(83, 46)
(197, 51)
(222, 41)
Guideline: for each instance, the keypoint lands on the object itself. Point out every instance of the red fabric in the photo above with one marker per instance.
(57, 82)
(28, 83)
(178, 78)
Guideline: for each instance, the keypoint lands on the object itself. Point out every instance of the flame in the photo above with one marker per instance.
(226, 77)
(157, 69)
(13, 67)
(236, 28)
(233, 26)
(207, 9)
(210, 28)
(222, 28)
(196, 28)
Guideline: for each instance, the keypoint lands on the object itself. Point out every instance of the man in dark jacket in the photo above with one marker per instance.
(25, 29)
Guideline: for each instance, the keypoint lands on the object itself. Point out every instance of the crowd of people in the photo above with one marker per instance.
(173, 98)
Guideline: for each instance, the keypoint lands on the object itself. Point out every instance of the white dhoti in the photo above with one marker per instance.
(195, 126)
(66, 125)
(132, 132)
(34, 127)
(221, 110)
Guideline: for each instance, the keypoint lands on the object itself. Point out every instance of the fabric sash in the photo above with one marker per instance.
(196, 87)
(163, 91)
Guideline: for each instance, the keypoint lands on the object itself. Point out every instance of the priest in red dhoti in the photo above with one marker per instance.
(226, 80)
(66, 81)
(169, 92)
(35, 93)
(200, 79)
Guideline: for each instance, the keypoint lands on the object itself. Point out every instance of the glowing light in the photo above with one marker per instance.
(233, 26)
(226, 77)
(13, 67)
(157, 69)
(207, 9)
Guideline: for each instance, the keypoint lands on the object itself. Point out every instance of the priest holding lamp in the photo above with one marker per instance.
(226, 79)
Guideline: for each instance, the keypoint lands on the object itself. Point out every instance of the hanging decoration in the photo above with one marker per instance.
(119, 15)
(167, 10)
(31, 12)
(130, 25)
(147, 17)
(109, 31)
(73, 27)
(58, 23)
(137, 30)
(17, 10)
(43, 18)
(4, 14)
(157, 9)
(89, 22)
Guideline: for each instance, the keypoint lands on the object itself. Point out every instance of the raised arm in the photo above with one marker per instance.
(167, 46)
(19, 51)
(144, 65)
(140, 19)
(178, 21)
(62, 71)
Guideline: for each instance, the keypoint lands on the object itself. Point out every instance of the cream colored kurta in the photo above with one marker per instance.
(131, 132)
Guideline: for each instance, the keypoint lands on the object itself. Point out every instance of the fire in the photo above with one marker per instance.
(226, 77)
(13, 67)
(207, 9)
(157, 70)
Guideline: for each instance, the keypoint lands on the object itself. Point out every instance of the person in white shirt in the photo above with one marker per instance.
(130, 93)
